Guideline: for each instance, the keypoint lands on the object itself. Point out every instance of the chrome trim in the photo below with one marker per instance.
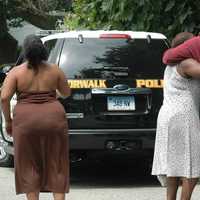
(115, 91)
(120, 86)
(13, 102)
(2, 153)
(122, 113)
(9, 149)
(3, 130)
(3, 144)
(74, 115)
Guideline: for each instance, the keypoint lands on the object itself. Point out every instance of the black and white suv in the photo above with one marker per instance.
(116, 82)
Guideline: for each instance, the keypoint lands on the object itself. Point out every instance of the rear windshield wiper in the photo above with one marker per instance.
(115, 69)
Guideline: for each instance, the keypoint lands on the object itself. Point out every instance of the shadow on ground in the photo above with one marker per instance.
(111, 173)
(115, 174)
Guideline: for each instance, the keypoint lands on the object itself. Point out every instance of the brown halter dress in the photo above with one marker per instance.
(40, 135)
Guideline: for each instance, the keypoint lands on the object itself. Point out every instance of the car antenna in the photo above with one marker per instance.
(80, 38)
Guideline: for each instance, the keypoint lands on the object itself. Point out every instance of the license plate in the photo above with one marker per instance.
(120, 103)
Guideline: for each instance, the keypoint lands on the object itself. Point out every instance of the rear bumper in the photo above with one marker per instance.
(95, 140)
(98, 139)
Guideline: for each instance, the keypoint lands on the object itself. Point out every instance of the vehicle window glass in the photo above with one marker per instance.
(52, 47)
(112, 58)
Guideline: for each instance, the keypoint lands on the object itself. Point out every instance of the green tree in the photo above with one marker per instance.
(41, 13)
(166, 16)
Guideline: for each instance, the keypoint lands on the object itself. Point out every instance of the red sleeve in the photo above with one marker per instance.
(189, 49)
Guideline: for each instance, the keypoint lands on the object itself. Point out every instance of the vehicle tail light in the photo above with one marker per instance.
(115, 36)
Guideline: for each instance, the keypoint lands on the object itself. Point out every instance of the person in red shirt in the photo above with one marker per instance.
(178, 119)
(189, 49)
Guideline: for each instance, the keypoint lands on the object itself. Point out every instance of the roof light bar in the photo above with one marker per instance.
(115, 36)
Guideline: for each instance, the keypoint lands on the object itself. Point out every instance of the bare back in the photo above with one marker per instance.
(22, 79)
(46, 79)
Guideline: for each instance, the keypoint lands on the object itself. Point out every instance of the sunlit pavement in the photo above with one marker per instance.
(99, 182)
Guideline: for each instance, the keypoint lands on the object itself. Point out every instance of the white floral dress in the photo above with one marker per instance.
(177, 145)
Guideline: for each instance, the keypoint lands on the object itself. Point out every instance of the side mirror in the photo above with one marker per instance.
(2, 77)
(4, 69)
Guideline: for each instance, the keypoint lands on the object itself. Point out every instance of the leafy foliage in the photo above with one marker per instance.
(37, 6)
(42, 13)
(166, 16)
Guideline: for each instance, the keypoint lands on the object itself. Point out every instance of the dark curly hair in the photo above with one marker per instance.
(180, 38)
(34, 51)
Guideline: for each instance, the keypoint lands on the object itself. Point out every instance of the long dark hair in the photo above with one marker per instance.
(34, 51)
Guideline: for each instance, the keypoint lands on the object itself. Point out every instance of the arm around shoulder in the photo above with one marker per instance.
(177, 54)
(189, 49)
(191, 67)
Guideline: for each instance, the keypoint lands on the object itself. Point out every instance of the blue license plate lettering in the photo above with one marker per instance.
(120, 103)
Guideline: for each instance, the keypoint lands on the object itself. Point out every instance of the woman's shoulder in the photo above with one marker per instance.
(17, 69)
(54, 67)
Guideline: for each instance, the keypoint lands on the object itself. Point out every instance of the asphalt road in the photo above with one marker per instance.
(100, 181)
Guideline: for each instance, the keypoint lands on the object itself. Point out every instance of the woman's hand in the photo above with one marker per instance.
(9, 127)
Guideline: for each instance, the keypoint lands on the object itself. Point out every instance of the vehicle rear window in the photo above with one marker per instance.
(53, 48)
(112, 58)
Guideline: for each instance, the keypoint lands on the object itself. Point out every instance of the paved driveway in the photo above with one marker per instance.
(97, 182)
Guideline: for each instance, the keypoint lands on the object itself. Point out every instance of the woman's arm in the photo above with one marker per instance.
(7, 91)
(63, 86)
(191, 68)
(189, 49)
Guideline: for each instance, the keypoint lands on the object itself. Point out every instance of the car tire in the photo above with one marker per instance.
(6, 160)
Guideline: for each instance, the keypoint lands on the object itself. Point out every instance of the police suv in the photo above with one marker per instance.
(116, 82)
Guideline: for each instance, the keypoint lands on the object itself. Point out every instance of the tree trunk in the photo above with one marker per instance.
(8, 49)
(3, 24)
(8, 44)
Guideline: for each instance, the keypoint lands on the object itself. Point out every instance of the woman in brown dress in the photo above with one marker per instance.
(39, 126)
